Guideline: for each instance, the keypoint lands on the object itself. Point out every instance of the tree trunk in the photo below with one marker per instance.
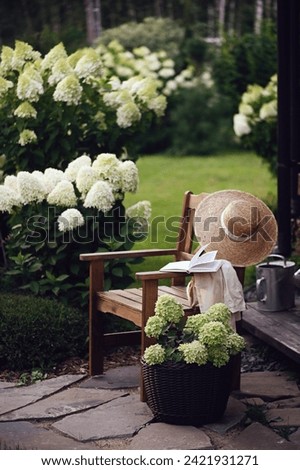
(93, 19)
(231, 17)
(222, 7)
(158, 11)
(259, 11)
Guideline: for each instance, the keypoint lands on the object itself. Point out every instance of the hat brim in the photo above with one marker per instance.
(247, 252)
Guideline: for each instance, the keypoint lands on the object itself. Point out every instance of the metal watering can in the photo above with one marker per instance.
(275, 284)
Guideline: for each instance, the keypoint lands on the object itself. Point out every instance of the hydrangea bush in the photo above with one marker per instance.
(56, 107)
(256, 122)
(198, 339)
(55, 215)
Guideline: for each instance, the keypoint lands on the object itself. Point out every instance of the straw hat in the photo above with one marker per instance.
(237, 224)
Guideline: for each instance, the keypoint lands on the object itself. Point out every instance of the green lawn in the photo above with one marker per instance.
(164, 179)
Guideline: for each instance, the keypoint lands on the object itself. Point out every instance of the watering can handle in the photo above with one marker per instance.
(276, 256)
(261, 293)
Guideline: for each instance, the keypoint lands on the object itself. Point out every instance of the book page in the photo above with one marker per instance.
(201, 257)
(182, 266)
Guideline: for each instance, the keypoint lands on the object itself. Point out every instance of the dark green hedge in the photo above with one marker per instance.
(40, 333)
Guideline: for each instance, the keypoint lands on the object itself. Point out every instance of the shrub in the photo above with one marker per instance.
(199, 122)
(56, 107)
(55, 216)
(250, 58)
(38, 332)
(256, 122)
(155, 33)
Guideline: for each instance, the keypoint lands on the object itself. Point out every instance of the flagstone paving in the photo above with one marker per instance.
(105, 412)
(62, 404)
(17, 397)
(122, 417)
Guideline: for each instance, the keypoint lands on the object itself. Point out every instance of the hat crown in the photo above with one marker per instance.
(240, 219)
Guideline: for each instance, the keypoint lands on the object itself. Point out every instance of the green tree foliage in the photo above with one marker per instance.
(247, 59)
(42, 23)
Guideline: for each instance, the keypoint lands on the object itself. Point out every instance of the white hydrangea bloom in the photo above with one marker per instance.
(63, 195)
(30, 85)
(25, 110)
(107, 167)
(166, 72)
(30, 188)
(74, 166)
(108, 60)
(206, 79)
(56, 53)
(128, 114)
(60, 70)
(68, 91)
(240, 125)
(124, 71)
(170, 87)
(41, 177)
(89, 64)
(110, 98)
(75, 57)
(11, 182)
(246, 109)
(70, 219)
(268, 110)
(6, 57)
(52, 176)
(5, 85)
(100, 197)
(146, 89)
(8, 199)
(27, 136)
(23, 52)
(104, 161)
(141, 51)
(130, 176)
(114, 82)
(252, 94)
(141, 209)
(86, 177)
(158, 105)
(169, 63)
(115, 46)
(153, 62)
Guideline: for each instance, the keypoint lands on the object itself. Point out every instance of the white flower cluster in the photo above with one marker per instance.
(128, 83)
(257, 104)
(92, 185)
(144, 63)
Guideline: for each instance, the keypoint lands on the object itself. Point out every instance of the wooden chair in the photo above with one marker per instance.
(137, 304)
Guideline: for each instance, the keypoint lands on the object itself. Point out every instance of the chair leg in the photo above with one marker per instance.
(96, 344)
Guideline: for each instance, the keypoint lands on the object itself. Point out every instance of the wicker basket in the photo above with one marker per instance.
(180, 393)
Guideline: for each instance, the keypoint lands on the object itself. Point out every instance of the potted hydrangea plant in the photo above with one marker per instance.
(188, 371)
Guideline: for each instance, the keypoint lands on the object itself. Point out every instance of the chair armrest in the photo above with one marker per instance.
(104, 256)
(153, 275)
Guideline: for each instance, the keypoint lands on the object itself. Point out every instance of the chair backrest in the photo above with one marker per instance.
(186, 228)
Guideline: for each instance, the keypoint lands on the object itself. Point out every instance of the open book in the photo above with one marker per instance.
(200, 263)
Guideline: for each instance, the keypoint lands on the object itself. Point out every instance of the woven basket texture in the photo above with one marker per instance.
(180, 393)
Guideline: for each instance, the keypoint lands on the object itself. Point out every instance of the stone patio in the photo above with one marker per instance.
(78, 412)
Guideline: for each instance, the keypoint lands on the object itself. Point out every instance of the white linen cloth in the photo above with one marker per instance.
(208, 288)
